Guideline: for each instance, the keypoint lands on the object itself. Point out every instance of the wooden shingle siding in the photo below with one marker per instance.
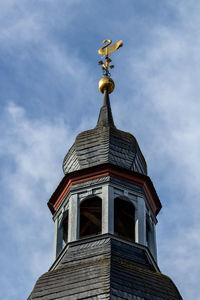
(105, 267)
(105, 144)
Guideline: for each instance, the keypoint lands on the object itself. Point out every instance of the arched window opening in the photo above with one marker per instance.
(65, 227)
(90, 217)
(124, 219)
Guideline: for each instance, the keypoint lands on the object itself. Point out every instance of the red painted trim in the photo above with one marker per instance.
(75, 181)
(101, 171)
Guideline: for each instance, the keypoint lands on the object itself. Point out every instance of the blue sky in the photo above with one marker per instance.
(48, 94)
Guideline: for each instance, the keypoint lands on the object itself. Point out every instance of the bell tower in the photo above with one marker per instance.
(105, 188)
(105, 210)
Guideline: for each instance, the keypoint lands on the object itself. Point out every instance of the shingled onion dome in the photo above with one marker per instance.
(105, 144)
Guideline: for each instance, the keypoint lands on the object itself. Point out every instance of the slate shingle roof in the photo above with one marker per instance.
(104, 267)
(105, 144)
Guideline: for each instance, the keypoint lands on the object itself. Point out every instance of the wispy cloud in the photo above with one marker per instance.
(31, 151)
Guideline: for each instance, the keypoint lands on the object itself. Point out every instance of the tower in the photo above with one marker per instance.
(105, 210)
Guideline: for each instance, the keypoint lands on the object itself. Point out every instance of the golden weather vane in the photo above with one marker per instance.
(106, 83)
(105, 51)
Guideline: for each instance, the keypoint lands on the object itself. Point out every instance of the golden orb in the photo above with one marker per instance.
(106, 83)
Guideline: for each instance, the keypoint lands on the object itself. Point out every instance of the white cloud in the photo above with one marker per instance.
(24, 22)
(31, 152)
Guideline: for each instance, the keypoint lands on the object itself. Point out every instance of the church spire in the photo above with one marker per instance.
(105, 211)
(105, 115)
